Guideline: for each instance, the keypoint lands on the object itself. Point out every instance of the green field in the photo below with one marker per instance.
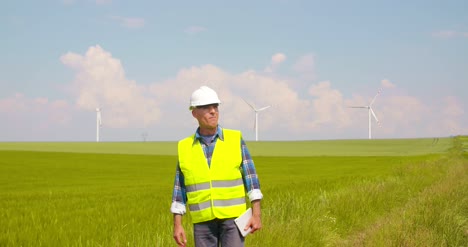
(401, 147)
(402, 192)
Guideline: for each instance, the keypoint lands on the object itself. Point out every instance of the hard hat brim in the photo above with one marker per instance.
(192, 107)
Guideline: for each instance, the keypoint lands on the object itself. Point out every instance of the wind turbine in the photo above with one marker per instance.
(370, 112)
(256, 117)
(144, 135)
(98, 123)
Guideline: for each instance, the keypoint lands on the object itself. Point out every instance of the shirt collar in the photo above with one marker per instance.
(219, 133)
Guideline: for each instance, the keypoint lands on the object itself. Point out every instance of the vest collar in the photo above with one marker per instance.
(219, 134)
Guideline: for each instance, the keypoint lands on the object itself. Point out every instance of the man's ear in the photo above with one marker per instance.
(194, 114)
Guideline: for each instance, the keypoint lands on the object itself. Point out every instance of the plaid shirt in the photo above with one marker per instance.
(249, 175)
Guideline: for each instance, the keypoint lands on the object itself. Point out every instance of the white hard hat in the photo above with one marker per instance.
(203, 96)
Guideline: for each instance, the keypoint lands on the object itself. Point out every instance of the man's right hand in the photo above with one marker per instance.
(179, 233)
(179, 236)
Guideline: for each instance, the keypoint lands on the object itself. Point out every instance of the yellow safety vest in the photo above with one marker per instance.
(215, 191)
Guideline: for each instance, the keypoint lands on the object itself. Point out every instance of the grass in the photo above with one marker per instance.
(377, 147)
(366, 209)
(385, 147)
(149, 148)
(119, 199)
(71, 199)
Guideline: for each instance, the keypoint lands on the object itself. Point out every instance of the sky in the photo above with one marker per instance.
(311, 61)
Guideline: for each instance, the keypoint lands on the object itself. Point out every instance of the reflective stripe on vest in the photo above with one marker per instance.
(217, 203)
(215, 184)
(215, 191)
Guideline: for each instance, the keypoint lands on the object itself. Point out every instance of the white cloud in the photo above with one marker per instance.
(447, 118)
(276, 60)
(452, 107)
(40, 112)
(318, 112)
(305, 66)
(195, 29)
(387, 84)
(449, 34)
(252, 86)
(129, 22)
(100, 82)
(452, 113)
(13, 104)
(401, 113)
(409, 116)
(444, 34)
(328, 105)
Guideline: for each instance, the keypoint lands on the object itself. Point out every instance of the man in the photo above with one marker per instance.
(214, 171)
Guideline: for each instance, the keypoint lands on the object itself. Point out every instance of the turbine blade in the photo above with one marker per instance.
(365, 107)
(378, 93)
(375, 117)
(251, 106)
(264, 108)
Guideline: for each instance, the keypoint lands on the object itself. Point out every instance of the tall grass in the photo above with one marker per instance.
(360, 211)
(61, 199)
(91, 199)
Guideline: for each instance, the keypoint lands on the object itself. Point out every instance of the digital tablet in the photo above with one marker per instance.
(242, 221)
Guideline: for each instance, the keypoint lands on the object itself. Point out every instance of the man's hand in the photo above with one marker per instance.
(255, 222)
(179, 232)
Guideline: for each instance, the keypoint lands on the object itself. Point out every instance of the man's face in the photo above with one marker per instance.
(207, 116)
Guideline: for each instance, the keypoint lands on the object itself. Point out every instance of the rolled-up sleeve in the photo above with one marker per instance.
(179, 198)
(249, 174)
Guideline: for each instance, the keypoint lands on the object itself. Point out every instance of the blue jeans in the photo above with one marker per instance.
(216, 233)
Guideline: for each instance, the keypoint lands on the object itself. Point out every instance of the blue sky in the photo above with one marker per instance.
(310, 60)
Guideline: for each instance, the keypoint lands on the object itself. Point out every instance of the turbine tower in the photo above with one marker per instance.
(256, 117)
(98, 123)
(370, 112)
